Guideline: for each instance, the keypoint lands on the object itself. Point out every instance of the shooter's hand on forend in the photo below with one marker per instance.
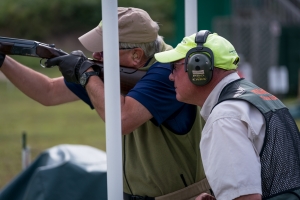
(2, 58)
(71, 66)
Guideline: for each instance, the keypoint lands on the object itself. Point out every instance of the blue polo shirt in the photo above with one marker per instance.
(157, 93)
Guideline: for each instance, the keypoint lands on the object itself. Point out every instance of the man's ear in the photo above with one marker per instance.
(137, 56)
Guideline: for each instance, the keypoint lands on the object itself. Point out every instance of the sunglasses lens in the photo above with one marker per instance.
(172, 67)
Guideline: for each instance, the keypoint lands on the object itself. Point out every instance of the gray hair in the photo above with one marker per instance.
(150, 48)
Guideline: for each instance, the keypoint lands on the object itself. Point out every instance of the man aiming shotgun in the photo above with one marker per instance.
(14, 46)
(161, 158)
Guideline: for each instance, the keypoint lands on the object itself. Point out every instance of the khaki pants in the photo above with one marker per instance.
(188, 193)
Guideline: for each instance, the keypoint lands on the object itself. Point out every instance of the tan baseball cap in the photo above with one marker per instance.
(135, 26)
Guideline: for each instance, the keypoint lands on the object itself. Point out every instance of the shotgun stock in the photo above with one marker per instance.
(13, 46)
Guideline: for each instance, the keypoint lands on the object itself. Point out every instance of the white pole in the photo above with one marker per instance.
(26, 158)
(112, 99)
(191, 17)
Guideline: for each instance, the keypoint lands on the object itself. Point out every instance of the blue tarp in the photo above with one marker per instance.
(63, 172)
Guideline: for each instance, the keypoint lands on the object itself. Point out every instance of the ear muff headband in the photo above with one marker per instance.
(199, 61)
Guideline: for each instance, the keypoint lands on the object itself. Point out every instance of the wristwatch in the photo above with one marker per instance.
(85, 77)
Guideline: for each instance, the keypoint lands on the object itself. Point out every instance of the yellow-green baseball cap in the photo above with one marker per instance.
(225, 56)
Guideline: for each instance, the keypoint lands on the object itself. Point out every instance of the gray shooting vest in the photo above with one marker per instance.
(280, 154)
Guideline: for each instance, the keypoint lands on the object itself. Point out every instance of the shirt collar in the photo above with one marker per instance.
(213, 97)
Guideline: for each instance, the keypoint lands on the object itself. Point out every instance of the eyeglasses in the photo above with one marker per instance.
(173, 66)
(127, 48)
(101, 53)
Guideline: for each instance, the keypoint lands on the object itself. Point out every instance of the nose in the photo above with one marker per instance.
(171, 77)
(98, 56)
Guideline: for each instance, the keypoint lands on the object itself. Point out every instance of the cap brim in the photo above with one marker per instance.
(169, 56)
(92, 40)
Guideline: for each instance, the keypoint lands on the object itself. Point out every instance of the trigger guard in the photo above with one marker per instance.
(42, 64)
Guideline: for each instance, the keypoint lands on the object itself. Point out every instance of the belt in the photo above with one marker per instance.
(136, 197)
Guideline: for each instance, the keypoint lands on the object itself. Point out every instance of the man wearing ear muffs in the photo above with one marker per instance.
(250, 143)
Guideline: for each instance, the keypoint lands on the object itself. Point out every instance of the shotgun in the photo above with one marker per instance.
(14, 46)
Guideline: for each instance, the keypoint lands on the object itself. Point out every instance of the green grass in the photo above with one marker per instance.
(72, 123)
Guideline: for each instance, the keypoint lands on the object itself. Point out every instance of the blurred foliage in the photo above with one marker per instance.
(40, 19)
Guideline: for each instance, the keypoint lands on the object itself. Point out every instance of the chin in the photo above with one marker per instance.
(183, 99)
(179, 98)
